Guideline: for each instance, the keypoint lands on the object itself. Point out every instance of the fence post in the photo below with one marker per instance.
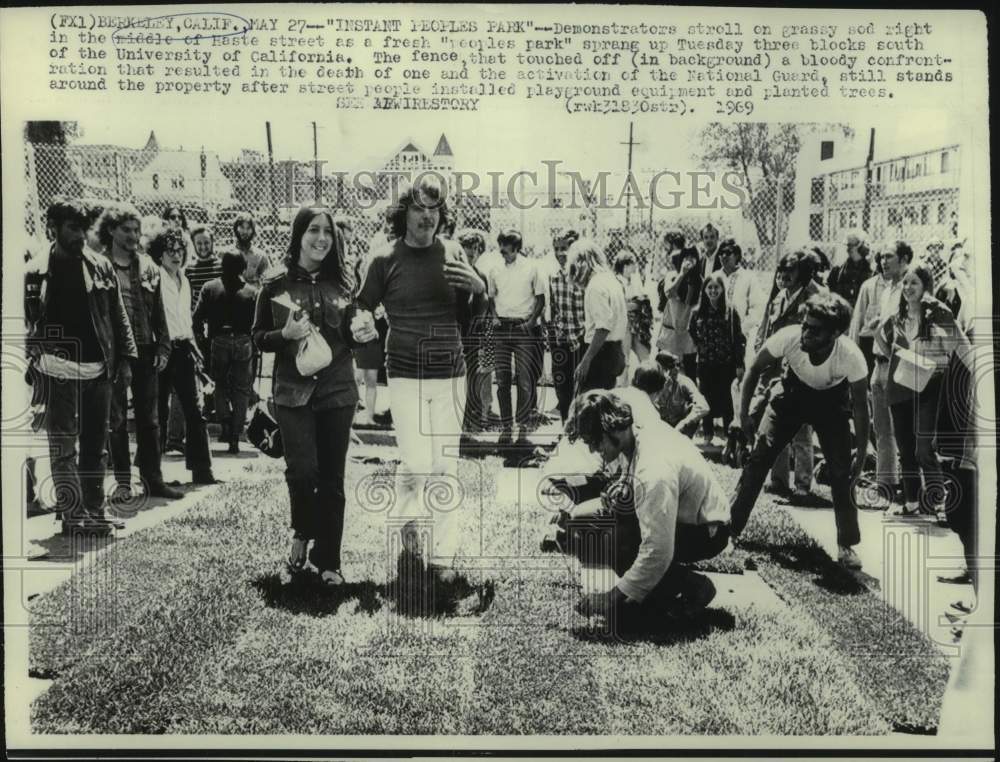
(778, 216)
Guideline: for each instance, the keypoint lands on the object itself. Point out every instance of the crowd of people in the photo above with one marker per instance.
(870, 360)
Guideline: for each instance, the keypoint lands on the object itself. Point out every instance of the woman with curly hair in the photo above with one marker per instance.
(310, 298)
(926, 328)
(180, 377)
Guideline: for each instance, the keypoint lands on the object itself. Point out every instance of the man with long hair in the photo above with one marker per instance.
(429, 290)
(665, 509)
(119, 229)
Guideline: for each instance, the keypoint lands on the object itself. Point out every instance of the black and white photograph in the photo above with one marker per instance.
(436, 379)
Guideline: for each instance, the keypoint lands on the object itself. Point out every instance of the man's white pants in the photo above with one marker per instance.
(427, 416)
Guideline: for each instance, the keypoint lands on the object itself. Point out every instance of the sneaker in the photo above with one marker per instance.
(177, 447)
(848, 558)
(204, 477)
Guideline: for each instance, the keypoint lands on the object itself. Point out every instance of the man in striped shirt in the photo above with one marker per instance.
(567, 324)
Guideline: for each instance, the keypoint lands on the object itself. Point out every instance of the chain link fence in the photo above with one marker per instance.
(913, 199)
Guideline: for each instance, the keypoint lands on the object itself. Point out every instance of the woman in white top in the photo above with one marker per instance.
(169, 250)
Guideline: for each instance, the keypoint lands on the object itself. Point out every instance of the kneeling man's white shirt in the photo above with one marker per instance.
(672, 483)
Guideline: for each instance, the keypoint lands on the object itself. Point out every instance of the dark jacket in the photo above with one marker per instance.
(107, 311)
(775, 319)
(331, 310)
(937, 338)
(151, 301)
(846, 279)
(219, 308)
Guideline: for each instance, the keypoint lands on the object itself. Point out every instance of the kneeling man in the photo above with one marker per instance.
(666, 508)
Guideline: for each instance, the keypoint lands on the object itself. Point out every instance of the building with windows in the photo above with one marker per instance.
(913, 198)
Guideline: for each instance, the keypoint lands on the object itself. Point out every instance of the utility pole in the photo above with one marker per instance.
(628, 185)
(270, 165)
(866, 213)
(317, 179)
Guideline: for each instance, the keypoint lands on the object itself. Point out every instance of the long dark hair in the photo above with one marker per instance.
(927, 279)
(333, 267)
(704, 303)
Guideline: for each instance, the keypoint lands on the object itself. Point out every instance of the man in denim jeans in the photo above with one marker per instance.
(226, 308)
(78, 339)
(139, 284)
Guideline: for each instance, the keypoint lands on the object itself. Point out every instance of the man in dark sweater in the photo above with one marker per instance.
(429, 291)
(226, 309)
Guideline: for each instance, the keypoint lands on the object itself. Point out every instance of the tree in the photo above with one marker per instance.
(764, 155)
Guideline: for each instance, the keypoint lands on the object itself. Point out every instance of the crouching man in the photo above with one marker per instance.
(824, 384)
(665, 509)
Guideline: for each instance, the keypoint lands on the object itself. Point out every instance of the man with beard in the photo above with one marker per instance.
(244, 232)
(79, 338)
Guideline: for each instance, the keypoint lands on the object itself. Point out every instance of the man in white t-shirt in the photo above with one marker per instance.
(825, 380)
(517, 299)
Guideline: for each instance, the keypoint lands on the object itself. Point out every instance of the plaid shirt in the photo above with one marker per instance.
(567, 309)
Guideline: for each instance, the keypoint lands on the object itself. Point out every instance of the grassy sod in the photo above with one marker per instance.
(895, 665)
(208, 638)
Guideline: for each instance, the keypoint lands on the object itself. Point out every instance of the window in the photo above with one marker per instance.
(910, 215)
(894, 217)
(156, 181)
(925, 214)
(942, 214)
(853, 219)
(878, 174)
(816, 194)
(945, 161)
(843, 219)
(816, 227)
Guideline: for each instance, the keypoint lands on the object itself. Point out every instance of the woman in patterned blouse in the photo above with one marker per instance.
(716, 330)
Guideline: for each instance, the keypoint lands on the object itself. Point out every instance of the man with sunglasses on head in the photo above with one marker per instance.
(824, 384)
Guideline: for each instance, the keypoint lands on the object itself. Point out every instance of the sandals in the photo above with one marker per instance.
(331, 578)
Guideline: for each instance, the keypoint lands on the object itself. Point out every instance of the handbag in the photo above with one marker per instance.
(264, 434)
(912, 370)
(313, 354)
